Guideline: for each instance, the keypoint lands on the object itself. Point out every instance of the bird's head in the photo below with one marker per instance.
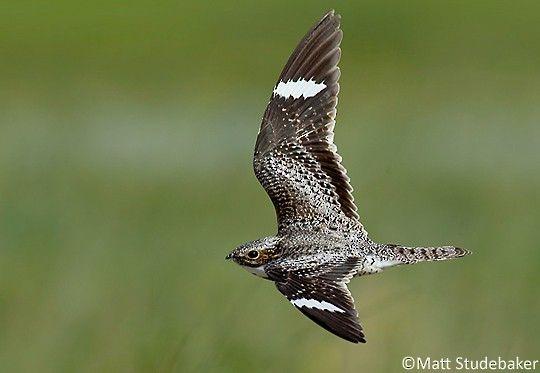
(256, 253)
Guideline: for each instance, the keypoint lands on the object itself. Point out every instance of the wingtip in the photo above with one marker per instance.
(356, 338)
(361, 337)
(331, 14)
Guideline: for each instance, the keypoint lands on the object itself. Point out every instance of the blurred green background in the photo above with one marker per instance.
(126, 135)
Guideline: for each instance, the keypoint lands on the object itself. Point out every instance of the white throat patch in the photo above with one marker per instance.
(296, 89)
(257, 271)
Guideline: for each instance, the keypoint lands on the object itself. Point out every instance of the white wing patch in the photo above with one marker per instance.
(313, 303)
(296, 89)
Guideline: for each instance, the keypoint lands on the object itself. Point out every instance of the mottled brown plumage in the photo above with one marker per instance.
(320, 244)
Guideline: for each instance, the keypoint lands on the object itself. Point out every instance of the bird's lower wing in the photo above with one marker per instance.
(326, 300)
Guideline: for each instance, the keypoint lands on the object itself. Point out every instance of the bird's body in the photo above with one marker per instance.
(309, 250)
(320, 244)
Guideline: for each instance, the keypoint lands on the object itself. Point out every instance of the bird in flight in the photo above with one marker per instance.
(320, 244)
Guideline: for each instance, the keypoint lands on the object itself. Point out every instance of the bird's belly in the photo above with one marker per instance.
(373, 264)
(257, 271)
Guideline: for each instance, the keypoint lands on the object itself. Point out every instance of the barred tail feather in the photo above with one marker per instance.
(409, 255)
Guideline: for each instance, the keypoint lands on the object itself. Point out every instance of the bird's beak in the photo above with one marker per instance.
(229, 256)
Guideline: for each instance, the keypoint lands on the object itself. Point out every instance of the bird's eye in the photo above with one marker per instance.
(253, 254)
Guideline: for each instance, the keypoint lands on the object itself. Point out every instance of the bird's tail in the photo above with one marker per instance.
(409, 255)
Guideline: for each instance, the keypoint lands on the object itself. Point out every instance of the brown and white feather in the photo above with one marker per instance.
(295, 159)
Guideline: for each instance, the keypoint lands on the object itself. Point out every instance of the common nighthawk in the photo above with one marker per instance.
(320, 244)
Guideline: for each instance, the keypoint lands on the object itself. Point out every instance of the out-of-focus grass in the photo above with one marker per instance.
(126, 133)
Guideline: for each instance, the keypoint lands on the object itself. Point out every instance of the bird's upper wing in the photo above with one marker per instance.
(322, 295)
(295, 158)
